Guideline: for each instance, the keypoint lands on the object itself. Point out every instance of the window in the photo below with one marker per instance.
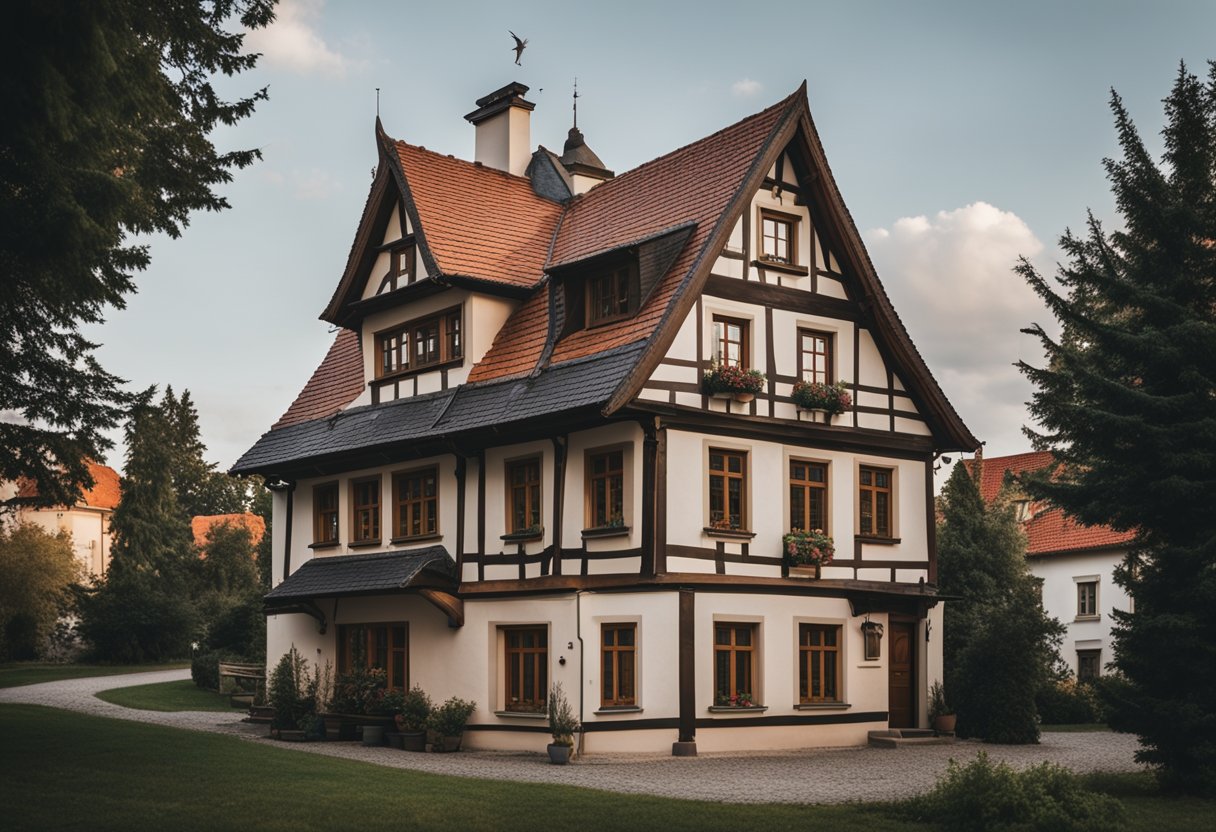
(608, 296)
(416, 503)
(605, 489)
(778, 237)
(419, 344)
(808, 496)
(814, 356)
(523, 495)
(403, 266)
(619, 686)
(527, 668)
(727, 489)
(385, 646)
(365, 504)
(730, 342)
(325, 514)
(734, 664)
(1089, 665)
(875, 493)
(818, 663)
(1087, 599)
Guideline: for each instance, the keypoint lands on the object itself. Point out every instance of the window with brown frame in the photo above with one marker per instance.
(526, 660)
(808, 496)
(608, 296)
(605, 489)
(325, 514)
(727, 490)
(619, 686)
(1087, 599)
(734, 663)
(818, 663)
(814, 356)
(416, 503)
(778, 237)
(365, 510)
(874, 491)
(418, 344)
(523, 495)
(385, 646)
(730, 342)
(1089, 665)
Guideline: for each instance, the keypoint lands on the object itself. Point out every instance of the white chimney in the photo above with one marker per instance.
(502, 119)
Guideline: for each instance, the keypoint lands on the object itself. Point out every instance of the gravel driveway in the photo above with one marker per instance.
(834, 775)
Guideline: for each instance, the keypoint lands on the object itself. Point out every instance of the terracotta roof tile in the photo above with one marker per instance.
(1048, 531)
(479, 221)
(205, 522)
(105, 492)
(333, 385)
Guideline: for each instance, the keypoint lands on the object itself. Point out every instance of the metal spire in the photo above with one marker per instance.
(576, 102)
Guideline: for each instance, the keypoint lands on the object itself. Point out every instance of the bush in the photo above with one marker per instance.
(1068, 702)
(983, 797)
(295, 695)
(37, 575)
(137, 617)
(563, 724)
(416, 709)
(359, 690)
(449, 719)
(239, 629)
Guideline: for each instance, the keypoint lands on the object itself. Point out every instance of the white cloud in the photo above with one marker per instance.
(746, 87)
(951, 278)
(293, 43)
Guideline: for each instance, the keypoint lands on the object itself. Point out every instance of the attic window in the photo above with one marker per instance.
(401, 269)
(778, 237)
(420, 344)
(608, 295)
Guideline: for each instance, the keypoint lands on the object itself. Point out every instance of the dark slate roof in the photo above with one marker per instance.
(328, 577)
(580, 383)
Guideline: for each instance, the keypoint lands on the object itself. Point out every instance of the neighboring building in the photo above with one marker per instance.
(1076, 562)
(505, 472)
(88, 521)
(202, 524)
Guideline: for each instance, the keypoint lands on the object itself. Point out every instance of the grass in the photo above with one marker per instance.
(16, 674)
(1076, 728)
(1147, 809)
(182, 695)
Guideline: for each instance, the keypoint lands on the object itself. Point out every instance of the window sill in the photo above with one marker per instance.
(522, 714)
(822, 706)
(618, 709)
(787, 268)
(875, 540)
(364, 544)
(417, 538)
(605, 531)
(728, 534)
(1088, 618)
(727, 709)
(333, 544)
(522, 537)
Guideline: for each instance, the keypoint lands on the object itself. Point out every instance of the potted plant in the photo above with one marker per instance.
(805, 552)
(448, 721)
(830, 399)
(389, 704)
(416, 708)
(732, 381)
(738, 699)
(562, 725)
(356, 702)
(941, 715)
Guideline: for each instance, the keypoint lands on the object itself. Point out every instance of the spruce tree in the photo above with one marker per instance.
(201, 489)
(999, 644)
(1127, 400)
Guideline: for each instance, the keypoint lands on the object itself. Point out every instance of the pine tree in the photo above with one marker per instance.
(1127, 400)
(201, 489)
(999, 644)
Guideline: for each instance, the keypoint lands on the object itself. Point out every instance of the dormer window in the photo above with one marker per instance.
(778, 237)
(420, 344)
(609, 295)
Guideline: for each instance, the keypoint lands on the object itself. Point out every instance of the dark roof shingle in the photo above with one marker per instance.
(334, 576)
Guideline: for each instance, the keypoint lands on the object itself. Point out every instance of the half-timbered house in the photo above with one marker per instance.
(508, 472)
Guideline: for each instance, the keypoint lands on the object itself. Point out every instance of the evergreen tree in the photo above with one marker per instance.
(999, 644)
(108, 111)
(201, 489)
(1127, 401)
(262, 504)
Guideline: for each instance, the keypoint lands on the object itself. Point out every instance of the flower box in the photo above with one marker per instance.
(731, 381)
(808, 551)
(831, 399)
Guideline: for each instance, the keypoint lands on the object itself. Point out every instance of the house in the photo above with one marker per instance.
(202, 524)
(506, 472)
(1076, 563)
(88, 521)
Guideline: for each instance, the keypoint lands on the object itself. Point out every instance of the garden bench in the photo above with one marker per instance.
(238, 671)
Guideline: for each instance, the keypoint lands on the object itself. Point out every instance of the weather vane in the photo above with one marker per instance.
(576, 102)
(520, 46)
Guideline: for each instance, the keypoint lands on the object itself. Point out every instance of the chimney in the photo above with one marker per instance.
(503, 133)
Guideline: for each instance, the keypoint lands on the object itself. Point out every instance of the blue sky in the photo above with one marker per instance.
(961, 135)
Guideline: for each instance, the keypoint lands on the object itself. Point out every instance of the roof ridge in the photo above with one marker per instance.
(510, 177)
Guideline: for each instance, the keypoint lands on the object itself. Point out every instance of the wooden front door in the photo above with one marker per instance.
(901, 705)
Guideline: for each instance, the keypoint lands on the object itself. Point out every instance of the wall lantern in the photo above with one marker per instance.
(871, 632)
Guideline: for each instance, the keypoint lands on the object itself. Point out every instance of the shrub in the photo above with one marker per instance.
(205, 669)
(239, 628)
(1067, 701)
(37, 573)
(416, 708)
(359, 690)
(937, 702)
(295, 695)
(449, 719)
(136, 617)
(562, 721)
(983, 797)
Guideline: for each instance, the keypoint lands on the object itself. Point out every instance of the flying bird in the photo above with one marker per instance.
(520, 46)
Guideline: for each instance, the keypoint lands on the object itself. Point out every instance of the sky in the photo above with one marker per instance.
(961, 135)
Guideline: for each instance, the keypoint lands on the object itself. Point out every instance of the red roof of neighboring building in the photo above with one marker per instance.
(105, 492)
(204, 523)
(1048, 531)
(333, 385)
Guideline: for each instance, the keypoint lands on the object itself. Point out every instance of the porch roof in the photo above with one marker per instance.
(383, 572)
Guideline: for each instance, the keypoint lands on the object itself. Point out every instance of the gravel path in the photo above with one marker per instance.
(835, 775)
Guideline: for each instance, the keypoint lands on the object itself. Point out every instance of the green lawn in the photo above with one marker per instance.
(61, 770)
(31, 673)
(182, 695)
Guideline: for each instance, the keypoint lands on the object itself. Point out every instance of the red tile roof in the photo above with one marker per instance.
(205, 522)
(1048, 531)
(334, 384)
(105, 492)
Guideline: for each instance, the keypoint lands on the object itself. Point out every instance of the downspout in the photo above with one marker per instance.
(578, 629)
(290, 487)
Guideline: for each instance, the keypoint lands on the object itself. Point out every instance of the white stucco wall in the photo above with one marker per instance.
(1060, 574)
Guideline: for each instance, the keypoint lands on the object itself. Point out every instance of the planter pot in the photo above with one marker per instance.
(395, 739)
(292, 736)
(818, 414)
(945, 724)
(448, 744)
(559, 753)
(743, 398)
(373, 735)
(810, 572)
(721, 395)
(340, 727)
(413, 741)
